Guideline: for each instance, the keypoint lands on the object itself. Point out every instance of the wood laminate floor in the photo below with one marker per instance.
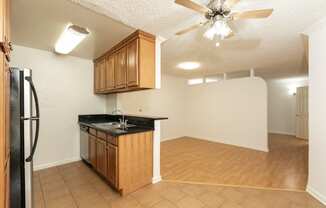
(76, 186)
(194, 160)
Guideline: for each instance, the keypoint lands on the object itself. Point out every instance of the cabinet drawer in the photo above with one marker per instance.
(92, 132)
(112, 140)
(101, 135)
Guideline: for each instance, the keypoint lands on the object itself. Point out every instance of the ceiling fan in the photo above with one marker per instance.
(219, 14)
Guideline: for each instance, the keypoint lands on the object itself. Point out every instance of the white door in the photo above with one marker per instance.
(302, 128)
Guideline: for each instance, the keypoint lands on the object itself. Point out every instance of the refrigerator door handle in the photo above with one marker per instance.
(34, 118)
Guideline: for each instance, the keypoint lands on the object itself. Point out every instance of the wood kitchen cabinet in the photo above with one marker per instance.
(132, 61)
(121, 68)
(130, 65)
(7, 185)
(99, 76)
(112, 162)
(5, 50)
(101, 157)
(125, 161)
(110, 73)
(92, 150)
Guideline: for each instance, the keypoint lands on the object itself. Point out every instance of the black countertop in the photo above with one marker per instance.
(118, 132)
(142, 124)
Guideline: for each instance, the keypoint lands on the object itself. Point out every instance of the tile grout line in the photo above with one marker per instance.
(64, 181)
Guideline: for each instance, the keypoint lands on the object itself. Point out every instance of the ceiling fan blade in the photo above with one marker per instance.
(231, 3)
(189, 29)
(193, 6)
(255, 14)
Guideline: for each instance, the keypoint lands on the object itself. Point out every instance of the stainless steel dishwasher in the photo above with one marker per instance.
(84, 143)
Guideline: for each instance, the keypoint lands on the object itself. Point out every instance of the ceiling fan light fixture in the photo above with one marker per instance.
(210, 33)
(220, 28)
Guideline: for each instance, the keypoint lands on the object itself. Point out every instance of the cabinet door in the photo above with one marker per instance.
(7, 20)
(102, 75)
(7, 185)
(101, 157)
(110, 83)
(97, 77)
(5, 37)
(132, 64)
(121, 68)
(7, 112)
(112, 155)
(2, 20)
(92, 150)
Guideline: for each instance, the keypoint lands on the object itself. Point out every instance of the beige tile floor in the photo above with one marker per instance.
(75, 185)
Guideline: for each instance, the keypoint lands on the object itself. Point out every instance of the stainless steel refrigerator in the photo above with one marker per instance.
(23, 137)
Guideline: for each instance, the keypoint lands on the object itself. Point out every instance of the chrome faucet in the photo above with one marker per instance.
(122, 121)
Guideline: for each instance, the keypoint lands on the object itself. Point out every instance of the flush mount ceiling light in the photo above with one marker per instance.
(189, 65)
(70, 38)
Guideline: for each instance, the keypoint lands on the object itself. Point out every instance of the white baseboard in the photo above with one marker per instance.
(156, 179)
(49, 165)
(320, 197)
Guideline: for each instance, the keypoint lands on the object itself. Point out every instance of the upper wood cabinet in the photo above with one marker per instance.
(110, 74)
(121, 68)
(99, 76)
(130, 65)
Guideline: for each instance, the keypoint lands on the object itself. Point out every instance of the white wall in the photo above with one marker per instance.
(65, 89)
(282, 104)
(317, 111)
(168, 102)
(232, 111)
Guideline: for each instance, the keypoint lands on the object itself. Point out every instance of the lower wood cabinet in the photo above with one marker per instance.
(125, 161)
(92, 150)
(101, 157)
(112, 162)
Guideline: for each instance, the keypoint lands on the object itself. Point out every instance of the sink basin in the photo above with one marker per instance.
(113, 125)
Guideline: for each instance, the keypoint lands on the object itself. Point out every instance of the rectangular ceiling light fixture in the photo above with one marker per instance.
(70, 38)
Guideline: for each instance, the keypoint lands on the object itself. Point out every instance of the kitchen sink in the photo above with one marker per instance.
(113, 125)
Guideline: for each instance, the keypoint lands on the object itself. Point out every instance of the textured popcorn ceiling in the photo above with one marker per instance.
(155, 16)
(272, 46)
